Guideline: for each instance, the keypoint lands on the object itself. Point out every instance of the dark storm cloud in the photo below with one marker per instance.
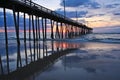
(85, 3)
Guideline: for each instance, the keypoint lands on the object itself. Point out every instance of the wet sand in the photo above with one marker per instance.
(92, 61)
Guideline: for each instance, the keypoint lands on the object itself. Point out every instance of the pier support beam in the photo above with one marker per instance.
(6, 40)
(45, 28)
(39, 37)
(61, 30)
(52, 26)
(25, 46)
(16, 22)
(36, 23)
(43, 36)
(33, 30)
(57, 35)
(1, 66)
(30, 38)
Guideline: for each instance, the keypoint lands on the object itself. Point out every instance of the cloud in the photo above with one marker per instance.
(93, 15)
(112, 5)
(93, 5)
(72, 14)
(74, 3)
(80, 14)
(82, 21)
(77, 3)
(9, 19)
(116, 13)
(108, 29)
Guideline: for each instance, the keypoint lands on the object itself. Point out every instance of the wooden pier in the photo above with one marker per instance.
(37, 17)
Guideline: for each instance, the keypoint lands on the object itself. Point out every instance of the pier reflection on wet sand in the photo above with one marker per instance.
(46, 53)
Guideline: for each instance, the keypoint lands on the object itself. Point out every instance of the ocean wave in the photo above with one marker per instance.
(105, 38)
(109, 41)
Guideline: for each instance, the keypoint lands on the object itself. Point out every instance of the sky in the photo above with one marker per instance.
(94, 13)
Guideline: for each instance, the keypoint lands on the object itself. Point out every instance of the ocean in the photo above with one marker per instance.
(97, 58)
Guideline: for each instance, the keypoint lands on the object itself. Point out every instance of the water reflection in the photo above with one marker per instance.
(97, 63)
(37, 51)
(67, 45)
(100, 59)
